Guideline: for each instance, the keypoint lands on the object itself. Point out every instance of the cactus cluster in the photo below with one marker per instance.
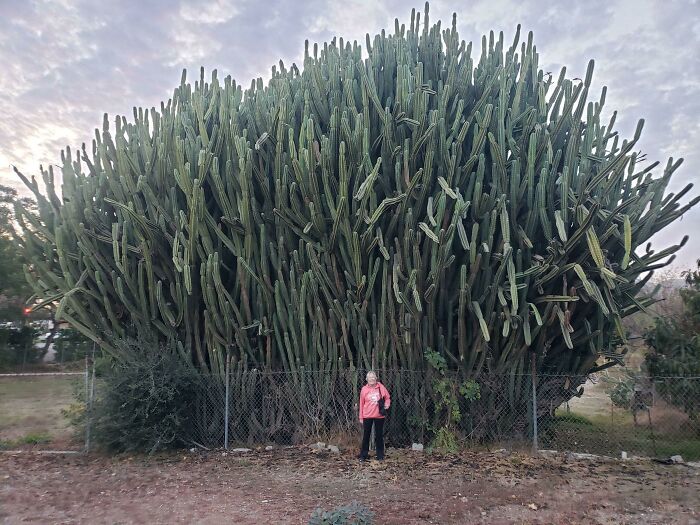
(359, 211)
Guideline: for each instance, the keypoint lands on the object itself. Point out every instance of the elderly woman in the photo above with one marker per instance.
(374, 400)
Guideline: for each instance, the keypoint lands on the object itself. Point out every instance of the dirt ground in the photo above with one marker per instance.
(285, 485)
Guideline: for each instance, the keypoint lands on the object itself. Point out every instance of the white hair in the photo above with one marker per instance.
(371, 373)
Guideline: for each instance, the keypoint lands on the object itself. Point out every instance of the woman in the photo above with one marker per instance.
(372, 396)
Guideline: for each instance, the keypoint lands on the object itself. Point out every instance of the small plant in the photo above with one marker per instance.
(445, 440)
(634, 393)
(622, 391)
(353, 514)
(448, 392)
(28, 439)
(75, 412)
(470, 390)
(34, 439)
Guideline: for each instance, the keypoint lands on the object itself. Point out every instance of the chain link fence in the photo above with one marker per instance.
(607, 414)
(628, 412)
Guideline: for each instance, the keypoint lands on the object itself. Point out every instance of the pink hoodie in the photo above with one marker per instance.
(369, 401)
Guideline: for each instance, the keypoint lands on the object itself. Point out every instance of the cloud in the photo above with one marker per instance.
(191, 26)
(67, 62)
(208, 12)
(351, 19)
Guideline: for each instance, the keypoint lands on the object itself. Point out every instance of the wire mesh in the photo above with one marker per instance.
(575, 413)
(633, 414)
(606, 414)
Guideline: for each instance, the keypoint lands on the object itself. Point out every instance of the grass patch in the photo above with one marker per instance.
(572, 419)
(608, 436)
(34, 439)
(594, 425)
(32, 406)
(29, 439)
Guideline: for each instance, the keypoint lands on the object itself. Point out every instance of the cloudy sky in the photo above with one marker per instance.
(65, 63)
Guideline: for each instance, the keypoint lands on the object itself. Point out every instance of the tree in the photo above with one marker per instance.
(675, 351)
(14, 289)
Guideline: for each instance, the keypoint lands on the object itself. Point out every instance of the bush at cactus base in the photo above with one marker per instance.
(355, 212)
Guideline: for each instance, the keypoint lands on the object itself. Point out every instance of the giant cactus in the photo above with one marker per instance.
(356, 212)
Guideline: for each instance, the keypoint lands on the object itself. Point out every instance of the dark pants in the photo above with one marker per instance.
(378, 436)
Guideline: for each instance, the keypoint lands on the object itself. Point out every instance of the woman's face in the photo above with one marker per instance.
(371, 379)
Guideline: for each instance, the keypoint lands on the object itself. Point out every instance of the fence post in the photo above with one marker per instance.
(534, 403)
(89, 396)
(92, 397)
(228, 361)
(87, 407)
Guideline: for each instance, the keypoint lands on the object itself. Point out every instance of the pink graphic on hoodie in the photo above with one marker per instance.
(369, 401)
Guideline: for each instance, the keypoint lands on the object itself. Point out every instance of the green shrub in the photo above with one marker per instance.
(621, 390)
(145, 402)
(353, 514)
(675, 352)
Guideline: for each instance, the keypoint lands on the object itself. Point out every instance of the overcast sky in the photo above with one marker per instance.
(64, 63)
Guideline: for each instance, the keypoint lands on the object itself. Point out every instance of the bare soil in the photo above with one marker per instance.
(285, 485)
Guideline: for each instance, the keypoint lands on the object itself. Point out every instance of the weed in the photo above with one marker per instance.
(28, 439)
(353, 514)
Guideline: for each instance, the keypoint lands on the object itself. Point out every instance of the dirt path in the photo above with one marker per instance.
(285, 485)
